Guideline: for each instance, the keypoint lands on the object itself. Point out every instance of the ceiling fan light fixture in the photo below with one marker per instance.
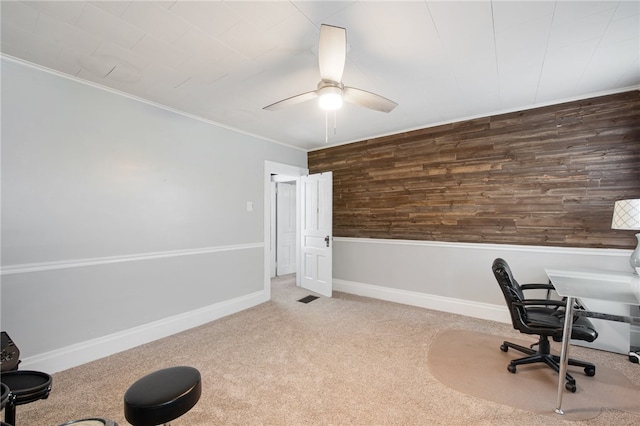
(330, 98)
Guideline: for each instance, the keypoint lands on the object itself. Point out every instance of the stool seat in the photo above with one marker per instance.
(162, 396)
(24, 386)
(5, 393)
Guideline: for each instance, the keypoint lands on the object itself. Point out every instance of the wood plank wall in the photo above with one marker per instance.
(547, 176)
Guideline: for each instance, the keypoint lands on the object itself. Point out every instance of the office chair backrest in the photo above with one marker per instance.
(511, 291)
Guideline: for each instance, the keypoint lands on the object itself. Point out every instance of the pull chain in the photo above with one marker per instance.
(326, 127)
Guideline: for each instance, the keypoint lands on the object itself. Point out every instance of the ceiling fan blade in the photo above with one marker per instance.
(368, 99)
(332, 52)
(291, 101)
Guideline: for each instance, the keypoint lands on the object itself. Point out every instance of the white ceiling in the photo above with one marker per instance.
(441, 61)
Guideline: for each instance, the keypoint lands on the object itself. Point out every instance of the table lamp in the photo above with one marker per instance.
(626, 215)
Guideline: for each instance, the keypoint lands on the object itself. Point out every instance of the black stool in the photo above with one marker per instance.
(25, 386)
(162, 396)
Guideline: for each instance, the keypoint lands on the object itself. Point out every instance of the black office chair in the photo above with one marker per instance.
(542, 317)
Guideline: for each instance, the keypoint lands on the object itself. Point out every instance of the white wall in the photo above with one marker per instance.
(121, 221)
(457, 277)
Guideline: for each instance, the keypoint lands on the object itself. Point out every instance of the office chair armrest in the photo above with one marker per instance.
(537, 287)
(541, 302)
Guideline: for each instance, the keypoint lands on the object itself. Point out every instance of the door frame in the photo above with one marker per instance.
(272, 168)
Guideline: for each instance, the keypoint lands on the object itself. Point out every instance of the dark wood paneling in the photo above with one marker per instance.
(547, 176)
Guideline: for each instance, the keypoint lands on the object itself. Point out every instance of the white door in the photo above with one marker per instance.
(286, 228)
(316, 242)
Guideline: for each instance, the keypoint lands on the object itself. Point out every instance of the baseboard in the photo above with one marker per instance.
(81, 353)
(439, 303)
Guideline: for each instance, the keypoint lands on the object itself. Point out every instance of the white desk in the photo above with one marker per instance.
(621, 287)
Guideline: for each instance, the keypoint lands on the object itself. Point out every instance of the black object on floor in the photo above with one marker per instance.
(162, 396)
(308, 299)
(25, 386)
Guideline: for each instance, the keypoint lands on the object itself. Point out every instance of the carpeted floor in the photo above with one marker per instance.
(345, 360)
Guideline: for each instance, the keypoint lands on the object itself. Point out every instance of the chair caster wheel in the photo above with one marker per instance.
(511, 368)
(571, 387)
(504, 348)
(590, 371)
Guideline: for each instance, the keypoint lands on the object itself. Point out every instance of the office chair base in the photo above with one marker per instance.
(543, 355)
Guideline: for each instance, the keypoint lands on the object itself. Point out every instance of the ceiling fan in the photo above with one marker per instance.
(332, 52)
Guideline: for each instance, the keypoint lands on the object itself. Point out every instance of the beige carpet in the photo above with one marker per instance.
(345, 360)
(473, 363)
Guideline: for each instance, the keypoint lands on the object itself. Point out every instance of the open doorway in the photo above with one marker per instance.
(284, 230)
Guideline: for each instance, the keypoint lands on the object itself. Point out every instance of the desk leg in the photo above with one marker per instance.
(634, 332)
(564, 355)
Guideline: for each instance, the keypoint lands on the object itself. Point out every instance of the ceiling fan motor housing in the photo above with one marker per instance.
(330, 94)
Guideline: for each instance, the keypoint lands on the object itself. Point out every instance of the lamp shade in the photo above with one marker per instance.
(626, 215)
